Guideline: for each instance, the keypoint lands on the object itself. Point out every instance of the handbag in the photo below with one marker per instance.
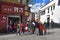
(26, 28)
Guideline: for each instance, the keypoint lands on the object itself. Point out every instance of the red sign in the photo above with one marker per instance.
(11, 9)
(3, 21)
(7, 9)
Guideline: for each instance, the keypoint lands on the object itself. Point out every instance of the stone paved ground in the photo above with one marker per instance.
(52, 34)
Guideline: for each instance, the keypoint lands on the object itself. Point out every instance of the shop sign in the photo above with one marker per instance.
(3, 20)
(18, 10)
(11, 9)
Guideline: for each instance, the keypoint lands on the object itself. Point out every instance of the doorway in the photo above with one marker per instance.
(12, 23)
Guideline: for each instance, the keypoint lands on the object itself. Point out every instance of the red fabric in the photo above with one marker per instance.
(41, 26)
(25, 30)
(21, 25)
(14, 26)
(27, 25)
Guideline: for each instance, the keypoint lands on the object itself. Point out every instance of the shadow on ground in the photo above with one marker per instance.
(2, 34)
(50, 33)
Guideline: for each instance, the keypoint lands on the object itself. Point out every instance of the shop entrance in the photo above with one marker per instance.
(12, 23)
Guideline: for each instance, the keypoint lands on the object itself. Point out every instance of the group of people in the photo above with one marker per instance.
(38, 27)
(15, 27)
(30, 27)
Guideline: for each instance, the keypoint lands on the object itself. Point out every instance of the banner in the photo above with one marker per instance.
(12, 9)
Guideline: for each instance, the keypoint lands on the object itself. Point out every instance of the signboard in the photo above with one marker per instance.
(11, 9)
(3, 21)
(7, 9)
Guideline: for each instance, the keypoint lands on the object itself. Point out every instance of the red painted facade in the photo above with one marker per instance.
(9, 9)
(3, 21)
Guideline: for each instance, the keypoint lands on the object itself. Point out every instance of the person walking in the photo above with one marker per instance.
(33, 27)
(18, 28)
(21, 28)
(37, 26)
(14, 27)
(41, 29)
(45, 28)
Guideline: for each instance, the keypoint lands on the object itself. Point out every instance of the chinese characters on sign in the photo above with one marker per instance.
(11, 9)
(16, 9)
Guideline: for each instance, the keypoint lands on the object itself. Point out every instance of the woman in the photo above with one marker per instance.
(21, 28)
(41, 29)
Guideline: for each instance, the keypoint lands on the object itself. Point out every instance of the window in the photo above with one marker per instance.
(43, 13)
(53, 6)
(48, 10)
(58, 2)
(52, 13)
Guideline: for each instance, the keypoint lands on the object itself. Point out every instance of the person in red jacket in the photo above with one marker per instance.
(41, 29)
(21, 28)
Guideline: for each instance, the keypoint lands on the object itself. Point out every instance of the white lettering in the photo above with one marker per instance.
(5, 9)
(21, 10)
(15, 9)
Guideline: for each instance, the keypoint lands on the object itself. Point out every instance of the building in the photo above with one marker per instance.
(47, 10)
(52, 10)
(23, 2)
(12, 10)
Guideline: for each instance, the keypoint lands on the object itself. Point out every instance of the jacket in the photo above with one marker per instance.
(41, 26)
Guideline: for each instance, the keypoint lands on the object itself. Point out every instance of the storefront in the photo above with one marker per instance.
(10, 12)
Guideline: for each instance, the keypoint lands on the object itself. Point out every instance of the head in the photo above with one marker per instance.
(27, 22)
(37, 20)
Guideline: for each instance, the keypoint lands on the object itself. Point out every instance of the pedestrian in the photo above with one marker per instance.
(37, 26)
(18, 28)
(45, 27)
(14, 27)
(9, 29)
(21, 28)
(33, 26)
(41, 29)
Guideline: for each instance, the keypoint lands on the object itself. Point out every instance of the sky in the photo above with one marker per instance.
(38, 4)
(39, 1)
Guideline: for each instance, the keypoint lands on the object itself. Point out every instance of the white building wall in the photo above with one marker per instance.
(56, 2)
(37, 16)
(46, 11)
(56, 13)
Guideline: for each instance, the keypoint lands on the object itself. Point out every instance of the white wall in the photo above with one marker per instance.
(56, 13)
(37, 15)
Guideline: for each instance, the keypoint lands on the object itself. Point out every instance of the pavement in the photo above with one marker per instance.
(52, 34)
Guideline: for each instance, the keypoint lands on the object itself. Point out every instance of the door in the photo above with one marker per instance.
(13, 20)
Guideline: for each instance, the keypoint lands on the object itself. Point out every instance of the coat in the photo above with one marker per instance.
(41, 26)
